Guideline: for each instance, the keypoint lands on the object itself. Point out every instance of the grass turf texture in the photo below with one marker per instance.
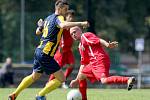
(93, 94)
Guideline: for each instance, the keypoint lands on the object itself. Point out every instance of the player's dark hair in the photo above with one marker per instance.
(71, 11)
(61, 3)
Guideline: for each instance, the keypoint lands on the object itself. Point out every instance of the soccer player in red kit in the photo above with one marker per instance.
(64, 54)
(95, 62)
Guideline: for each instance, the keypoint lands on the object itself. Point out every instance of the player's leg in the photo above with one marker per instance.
(119, 80)
(106, 79)
(51, 77)
(86, 74)
(82, 85)
(101, 72)
(114, 80)
(58, 59)
(26, 82)
(53, 84)
(69, 70)
(83, 88)
(68, 58)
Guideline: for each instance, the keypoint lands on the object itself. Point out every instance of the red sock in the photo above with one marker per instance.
(83, 88)
(68, 71)
(51, 77)
(116, 80)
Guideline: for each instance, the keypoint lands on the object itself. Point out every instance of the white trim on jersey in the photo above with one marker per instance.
(90, 48)
(86, 39)
(62, 41)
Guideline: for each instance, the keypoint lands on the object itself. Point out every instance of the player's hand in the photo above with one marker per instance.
(73, 83)
(113, 44)
(40, 23)
(85, 24)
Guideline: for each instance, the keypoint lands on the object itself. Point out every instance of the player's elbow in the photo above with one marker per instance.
(38, 32)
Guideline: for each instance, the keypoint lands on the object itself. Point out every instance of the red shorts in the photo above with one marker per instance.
(64, 58)
(95, 71)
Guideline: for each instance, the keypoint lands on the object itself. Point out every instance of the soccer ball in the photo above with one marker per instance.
(74, 95)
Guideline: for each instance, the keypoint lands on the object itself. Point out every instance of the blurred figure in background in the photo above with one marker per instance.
(6, 73)
(64, 55)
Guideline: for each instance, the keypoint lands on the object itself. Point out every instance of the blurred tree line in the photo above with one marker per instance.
(121, 20)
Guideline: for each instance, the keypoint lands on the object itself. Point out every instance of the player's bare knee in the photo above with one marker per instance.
(103, 80)
(59, 75)
(82, 77)
(35, 76)
(63, 79)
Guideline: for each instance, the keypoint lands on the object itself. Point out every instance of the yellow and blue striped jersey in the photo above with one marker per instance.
(51, 34)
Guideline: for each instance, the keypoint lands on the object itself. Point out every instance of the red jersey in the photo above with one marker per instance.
(66, 41)
(91, 50)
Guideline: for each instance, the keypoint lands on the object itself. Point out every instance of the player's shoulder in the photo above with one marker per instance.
(60, 17)
(89, 34)
(90, 37)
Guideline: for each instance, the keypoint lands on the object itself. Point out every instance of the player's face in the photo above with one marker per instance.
(64, 9)
(69, 18)
(76, 33)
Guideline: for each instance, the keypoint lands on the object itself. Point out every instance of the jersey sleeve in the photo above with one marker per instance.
(90, 38)
(60, 19)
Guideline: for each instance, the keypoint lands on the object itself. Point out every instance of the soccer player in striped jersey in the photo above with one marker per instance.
(64, 55)
(51, 31)
(95, 62)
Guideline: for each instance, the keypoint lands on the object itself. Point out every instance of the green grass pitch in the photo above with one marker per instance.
(93, 94)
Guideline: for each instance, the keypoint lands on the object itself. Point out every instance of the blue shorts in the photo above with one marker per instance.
(44, 63)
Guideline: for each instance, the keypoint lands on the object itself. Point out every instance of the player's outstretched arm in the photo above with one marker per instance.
(79, 76)
(72, 24)
(109, 44)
